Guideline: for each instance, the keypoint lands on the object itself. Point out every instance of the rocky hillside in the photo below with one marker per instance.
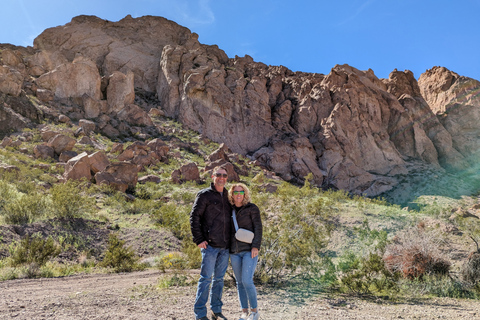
(348, 128)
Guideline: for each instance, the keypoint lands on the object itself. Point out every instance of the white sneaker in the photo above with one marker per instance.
(243, 316)
(254, 316)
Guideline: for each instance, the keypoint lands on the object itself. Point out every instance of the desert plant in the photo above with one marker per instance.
(296, 238)
(24, 208)
(33, 250)
(363, 271)
(172, 260)
(119, 257)
(415, 253)
(69, 202)
(471, 269)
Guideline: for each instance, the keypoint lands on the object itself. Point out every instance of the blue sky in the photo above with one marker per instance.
(309, 36)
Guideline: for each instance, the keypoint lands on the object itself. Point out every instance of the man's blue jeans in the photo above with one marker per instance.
(214, 265)
(243, 266)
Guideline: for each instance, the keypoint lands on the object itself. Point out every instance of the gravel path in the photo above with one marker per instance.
(136, 296)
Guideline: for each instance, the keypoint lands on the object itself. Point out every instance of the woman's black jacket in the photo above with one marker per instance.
(248, 217)
(210, 218)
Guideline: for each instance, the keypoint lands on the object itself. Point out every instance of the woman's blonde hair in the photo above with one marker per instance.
(246, 196)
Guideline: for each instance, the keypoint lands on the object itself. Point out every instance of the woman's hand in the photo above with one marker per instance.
(254, 252)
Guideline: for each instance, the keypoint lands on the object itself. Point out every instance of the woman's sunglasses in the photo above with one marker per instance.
(238, 192)
(221, 175)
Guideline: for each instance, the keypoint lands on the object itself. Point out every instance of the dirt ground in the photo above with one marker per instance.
(136, 296)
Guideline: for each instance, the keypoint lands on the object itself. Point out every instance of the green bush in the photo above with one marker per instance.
(174, 218)
(366, 275)
(69, 202)
(296, 237)
(33, 250)
(24, 208)
(119, 257)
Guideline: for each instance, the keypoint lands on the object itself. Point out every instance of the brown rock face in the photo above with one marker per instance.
(456, 101)
(348, 128)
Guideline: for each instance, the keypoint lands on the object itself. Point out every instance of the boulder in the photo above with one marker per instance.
(64, 119)
(87, 126)
(135, 115)
(149, 178)
(93, 107)
(159, 148)
(85, 141)
(45, 95)
(61, 143)
(67, 155)
(125, 172)
(220, 153)
(108, 179)
(117, 148)
(98, 161)
(42, 151)
(47, 134)
(189, 172)
(78, 168)
(120, 91)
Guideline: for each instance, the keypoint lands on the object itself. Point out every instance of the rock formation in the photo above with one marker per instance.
(348, 128)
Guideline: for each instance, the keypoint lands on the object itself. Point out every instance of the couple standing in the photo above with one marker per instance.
(213, 229)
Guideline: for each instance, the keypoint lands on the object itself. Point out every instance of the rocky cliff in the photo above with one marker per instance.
(348, 128)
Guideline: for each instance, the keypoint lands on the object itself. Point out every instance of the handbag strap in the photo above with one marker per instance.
(235, 220)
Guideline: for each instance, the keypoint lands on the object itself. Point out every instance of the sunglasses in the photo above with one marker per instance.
(238, 192)
(221, 175)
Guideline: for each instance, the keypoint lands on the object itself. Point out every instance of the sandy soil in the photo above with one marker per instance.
(136, 296)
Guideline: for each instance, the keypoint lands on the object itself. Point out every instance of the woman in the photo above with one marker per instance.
(243, 255)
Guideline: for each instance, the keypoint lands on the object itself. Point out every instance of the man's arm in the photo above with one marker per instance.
(196, 214)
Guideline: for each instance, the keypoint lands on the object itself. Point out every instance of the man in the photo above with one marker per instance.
(210, 225)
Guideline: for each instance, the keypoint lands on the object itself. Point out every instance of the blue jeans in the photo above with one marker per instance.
(243, 266)
(214, 264)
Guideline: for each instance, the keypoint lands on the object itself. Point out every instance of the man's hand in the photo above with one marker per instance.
(203, 245)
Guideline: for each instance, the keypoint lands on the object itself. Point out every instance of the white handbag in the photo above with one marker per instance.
(241, 234)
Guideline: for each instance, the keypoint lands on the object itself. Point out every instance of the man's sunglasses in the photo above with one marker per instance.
(221, 175)
(238, 192)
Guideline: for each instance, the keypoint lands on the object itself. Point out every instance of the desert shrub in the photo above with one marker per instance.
(25, 208)
(173, 260)
(438, 286)
(7, 192)
(33, 251)
(471, 269)
(366, 275)
(175, 280)
(363, 271)
(415, 253)
(174, 218)
(119, 257)
(295, 238)
(68, 200)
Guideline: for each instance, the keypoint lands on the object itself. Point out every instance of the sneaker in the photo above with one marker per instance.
(218, 315)
(203, 318)
(244, 316)
(254, 316)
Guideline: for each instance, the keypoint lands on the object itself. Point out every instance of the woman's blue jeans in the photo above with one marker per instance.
(243, 266)
(214, 265)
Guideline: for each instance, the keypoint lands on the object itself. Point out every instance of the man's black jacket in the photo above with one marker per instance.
(210, 218)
